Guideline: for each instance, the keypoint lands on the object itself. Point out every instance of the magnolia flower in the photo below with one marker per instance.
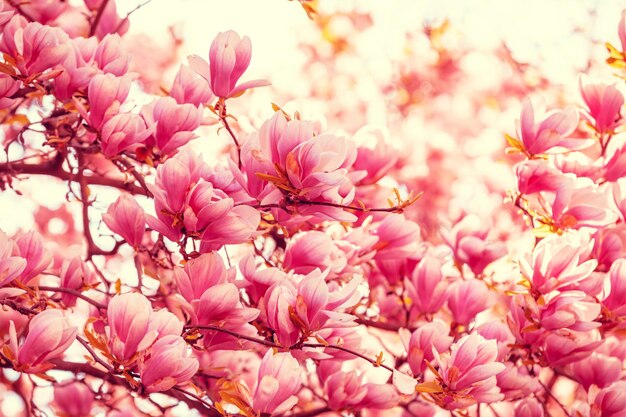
(31, 247)
(190, 88)
(126, 218)
(278, 382)
(604, 103)
(427, 289)
(468, 373)
(169, 362)
(75, 274)
(466, 299)
(49, 335)
(529, 407)
(33, 48)
(550, 132)
(172, 124)
(10, 266)
(73, 400)
(229, 58)
(427, 338)
(558, 261)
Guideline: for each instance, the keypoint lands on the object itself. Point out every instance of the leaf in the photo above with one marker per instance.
(7, 69)
(310, 11)
(19, 119)
(515, 143)
(431, 387)
(379, 359)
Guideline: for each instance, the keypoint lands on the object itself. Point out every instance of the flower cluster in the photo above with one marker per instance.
(209, 257)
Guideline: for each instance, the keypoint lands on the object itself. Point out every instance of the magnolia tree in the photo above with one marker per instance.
(296, 271)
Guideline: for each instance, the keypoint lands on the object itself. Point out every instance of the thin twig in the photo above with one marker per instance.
(74, 293)
(96, 21)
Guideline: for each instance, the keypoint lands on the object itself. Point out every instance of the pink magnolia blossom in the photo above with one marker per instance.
(31, 247)
(8, 87)
(558, 261)
(126, 218)
(516, 382)
(428, 337)
(597, 369)
(169, 362)
(529, 407)
(173, 124)
(466, 299)
(73, 400)
(10, 266)
(290, 163)
(499, 332)
(123, 132)
(469, 244)
(468, 373)
(129, 332)
(106, 94)
(278, 382)
(44, 11)
(535, 176)
(229, 58)
(427, 289)
(608, 246)
(310, 250)
(611, 401)
(398, 240)
(578, 204)
(209, 297)
(49, 335)
(87, 58)
(569, 309)
(550, 132)
(33, 48)
(568, 346)
(604, 103)
(184, 199)
(75, 274)
(190, 88)
(376, 158)
(347, 391)
(311, 306)
(614, 166)
(615, 300)
(579, 164)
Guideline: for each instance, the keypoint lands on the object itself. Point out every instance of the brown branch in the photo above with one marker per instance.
(53, 167)
(223, 115)
(378, 324)
(399, 208)
(263, 342)
(298, 346)
(92, 247)
(125, 19)
(96, 21)
(556, 400)
(74, 293)
(129, 166)
(374, 362)
(309, 413)
(203, 407)
(93, 354)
